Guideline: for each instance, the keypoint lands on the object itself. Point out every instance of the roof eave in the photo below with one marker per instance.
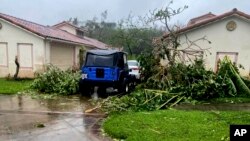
(22, 27)
(74, 43)
(66, 41)
(209, 21)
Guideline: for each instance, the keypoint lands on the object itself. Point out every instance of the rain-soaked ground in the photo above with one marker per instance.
(23, 118)
(63, 119)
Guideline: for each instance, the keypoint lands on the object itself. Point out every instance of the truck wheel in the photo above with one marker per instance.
(124, 87)
(102, 91)
(134, 83)
(84, 91)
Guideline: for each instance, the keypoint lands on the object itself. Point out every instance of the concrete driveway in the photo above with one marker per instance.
(23, 118)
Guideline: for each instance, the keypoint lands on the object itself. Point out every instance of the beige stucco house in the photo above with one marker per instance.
(229, 34)
(36, 45)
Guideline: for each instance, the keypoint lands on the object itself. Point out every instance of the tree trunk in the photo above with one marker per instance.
(17, 68)
(130, 51)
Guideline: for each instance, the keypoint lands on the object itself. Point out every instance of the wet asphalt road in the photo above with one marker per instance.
(25, 119)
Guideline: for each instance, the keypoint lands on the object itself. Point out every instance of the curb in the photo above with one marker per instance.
(95, 132)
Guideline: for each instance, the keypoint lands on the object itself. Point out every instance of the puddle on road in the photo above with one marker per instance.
(20, 115)
(61, 103)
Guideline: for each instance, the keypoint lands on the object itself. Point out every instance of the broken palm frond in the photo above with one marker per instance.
(234, 90)
(247, 81)
(238, 83)
(142, 100)
(164, 104)
(151, 90)
(156, 95)
(92, 109)
(176, 102)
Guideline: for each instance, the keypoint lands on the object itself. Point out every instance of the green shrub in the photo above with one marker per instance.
(191, 80)
(54, 80)
(148, 65)
(198, 83)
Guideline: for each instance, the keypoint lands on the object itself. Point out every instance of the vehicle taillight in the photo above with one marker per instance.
(135, 68)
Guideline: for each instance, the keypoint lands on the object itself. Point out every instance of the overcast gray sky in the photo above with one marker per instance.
(49, 12)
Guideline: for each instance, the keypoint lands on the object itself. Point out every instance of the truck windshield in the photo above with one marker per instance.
(100, 60)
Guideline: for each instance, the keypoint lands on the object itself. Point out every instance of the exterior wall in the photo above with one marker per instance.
(77, 57)
(236, 41)
(81, 55)
(13, 35)
(47, 51)
(68, 28)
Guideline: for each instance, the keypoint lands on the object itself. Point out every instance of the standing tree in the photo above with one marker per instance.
(17, 68)
(167, 47)
(75, 21)
(134, 35)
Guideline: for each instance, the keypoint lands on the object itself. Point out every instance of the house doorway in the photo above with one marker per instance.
(233, 56)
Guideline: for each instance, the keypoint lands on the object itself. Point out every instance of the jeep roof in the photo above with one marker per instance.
(104, 52)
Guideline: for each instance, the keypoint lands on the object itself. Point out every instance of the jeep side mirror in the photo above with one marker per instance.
(130, 70)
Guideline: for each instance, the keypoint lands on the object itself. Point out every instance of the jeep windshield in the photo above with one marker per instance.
(94, 60)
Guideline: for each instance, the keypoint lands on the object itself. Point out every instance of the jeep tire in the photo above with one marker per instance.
(84, 90)
(124, 87)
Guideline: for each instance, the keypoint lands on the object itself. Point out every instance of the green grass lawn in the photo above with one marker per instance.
(174, 125)
(12, 86)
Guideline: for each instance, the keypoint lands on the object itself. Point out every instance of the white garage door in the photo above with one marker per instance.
(25, 55)
(62, 55)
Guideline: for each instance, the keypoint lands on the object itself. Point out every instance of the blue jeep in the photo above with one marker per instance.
(105, 68)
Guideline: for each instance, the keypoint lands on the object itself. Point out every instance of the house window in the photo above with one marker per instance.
(25, 55)
(233, 56)
(79, 33)
(3, 54)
